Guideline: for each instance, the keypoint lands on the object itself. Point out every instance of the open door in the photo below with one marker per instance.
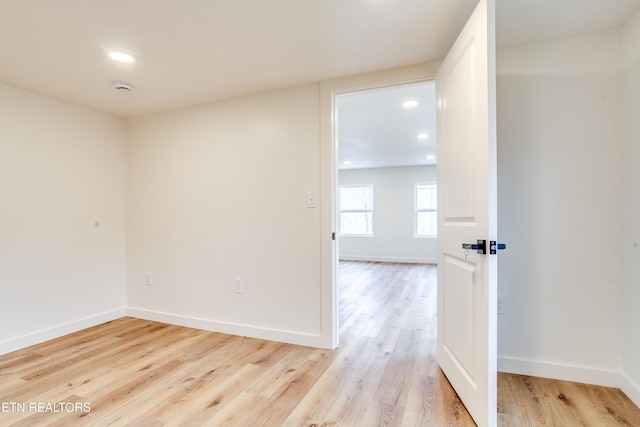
(467, 211)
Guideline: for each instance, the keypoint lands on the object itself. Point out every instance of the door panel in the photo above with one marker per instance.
(458, 201)
(459, 307)
(467, 282)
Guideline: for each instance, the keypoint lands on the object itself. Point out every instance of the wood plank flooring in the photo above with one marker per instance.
(530, 401)
(133, 372)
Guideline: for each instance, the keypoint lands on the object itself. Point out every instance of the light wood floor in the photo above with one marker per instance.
(140, 373)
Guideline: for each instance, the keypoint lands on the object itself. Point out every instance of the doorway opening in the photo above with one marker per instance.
(386, 186)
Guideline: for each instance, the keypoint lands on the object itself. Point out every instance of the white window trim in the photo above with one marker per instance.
(340, 210)
(416, 211)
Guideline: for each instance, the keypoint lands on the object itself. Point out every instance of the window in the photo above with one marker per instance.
(356, 210)
(426, 215)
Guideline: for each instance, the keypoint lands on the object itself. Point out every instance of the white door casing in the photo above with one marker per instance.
(467, 211)
(329, 251)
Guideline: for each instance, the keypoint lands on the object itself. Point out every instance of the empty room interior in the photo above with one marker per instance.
(207, 231)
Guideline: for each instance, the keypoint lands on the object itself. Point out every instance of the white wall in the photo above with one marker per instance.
(218, 192)
(559, 157)
(61, 172)
(393, 229)
(212, 193)
(631, 209)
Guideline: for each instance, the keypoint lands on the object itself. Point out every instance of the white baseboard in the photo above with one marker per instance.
(388, 259)
(559, 371)
(291, 337)
(38, 337)
(631, 389)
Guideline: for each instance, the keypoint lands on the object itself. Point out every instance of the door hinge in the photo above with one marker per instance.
(333, 236)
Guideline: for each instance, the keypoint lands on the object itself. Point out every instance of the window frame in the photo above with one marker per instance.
(341, 211)
(416, 210)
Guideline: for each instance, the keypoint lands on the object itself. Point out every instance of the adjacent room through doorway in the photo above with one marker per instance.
(386, 195)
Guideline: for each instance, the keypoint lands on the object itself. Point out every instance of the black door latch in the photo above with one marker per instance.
(481, 247)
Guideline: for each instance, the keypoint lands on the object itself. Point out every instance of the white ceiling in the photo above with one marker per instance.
(523, 22)
(374, 130)
(191, 52)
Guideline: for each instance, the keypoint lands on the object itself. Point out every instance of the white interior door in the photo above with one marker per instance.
(467, 284)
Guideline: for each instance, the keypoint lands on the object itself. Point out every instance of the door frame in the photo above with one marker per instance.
(329, 179)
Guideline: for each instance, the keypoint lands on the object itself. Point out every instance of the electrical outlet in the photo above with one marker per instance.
(502, 304)
(238, 287)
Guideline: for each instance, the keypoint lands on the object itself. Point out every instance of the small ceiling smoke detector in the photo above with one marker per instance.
(123, 87)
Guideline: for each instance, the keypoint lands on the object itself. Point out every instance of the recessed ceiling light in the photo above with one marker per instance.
(423, 135)
(121, 57)
(346, 162)
(430, 157)
(411, 103)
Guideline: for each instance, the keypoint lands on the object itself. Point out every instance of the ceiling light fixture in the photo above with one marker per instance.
(346, 162)
(121, 57)
(423, 135)
(410, 103)
(430, 157)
